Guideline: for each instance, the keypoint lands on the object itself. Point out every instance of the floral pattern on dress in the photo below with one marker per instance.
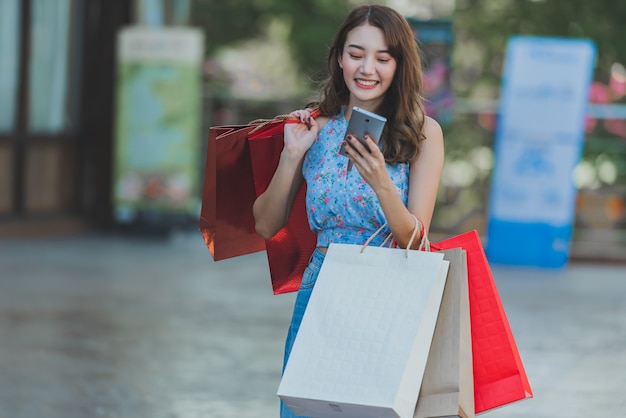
(341, 206)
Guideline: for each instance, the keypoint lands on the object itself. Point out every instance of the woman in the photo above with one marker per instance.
(374, 64)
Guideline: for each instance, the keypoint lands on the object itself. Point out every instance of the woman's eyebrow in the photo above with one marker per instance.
(359, 47)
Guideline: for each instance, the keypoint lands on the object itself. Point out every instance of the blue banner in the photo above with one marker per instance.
(538, 144)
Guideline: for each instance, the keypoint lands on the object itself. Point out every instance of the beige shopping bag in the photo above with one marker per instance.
(448, 385)
(365, 336)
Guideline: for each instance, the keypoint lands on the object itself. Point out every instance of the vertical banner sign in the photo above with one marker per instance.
(538, 143)
(157, 129)
(435, 38)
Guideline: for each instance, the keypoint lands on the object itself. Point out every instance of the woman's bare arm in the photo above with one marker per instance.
(425, 174)
(272, 208)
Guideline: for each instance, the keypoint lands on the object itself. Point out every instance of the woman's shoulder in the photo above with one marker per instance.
(432, 147)
(432, 129)
(322, 121)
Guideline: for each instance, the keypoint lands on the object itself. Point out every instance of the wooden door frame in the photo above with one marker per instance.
(20, 139)
(90, 139)
(102, 21)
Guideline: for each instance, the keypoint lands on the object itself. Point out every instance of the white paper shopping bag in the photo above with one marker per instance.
(364, 339)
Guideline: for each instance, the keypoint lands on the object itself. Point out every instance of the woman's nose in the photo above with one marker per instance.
(367, 66)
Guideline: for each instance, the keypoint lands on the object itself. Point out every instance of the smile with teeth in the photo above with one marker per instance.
(367, 83)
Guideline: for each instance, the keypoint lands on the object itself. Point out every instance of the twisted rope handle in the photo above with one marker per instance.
(261, 123)
(413, 235)
(424, 243)
(389, 240)
(373, 236)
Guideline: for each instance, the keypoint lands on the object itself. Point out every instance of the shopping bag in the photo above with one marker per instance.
(499, 375)
(364, 339)
(448, 388)
(288, 251)
(226, 219)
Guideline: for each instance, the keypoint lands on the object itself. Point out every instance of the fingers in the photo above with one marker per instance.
(366, 157)
(352, 145)
(370, 146)
(313, 123)
(303, 114)
(300, 135)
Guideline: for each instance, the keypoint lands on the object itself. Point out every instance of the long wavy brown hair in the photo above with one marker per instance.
(402, 103)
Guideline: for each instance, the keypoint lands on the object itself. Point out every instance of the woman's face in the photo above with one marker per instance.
(368, 67)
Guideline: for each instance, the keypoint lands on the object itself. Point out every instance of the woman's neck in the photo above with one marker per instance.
(369, 106)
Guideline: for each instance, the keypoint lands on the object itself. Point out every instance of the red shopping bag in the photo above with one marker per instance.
(499, 375)
(288, 251)
(226, 220)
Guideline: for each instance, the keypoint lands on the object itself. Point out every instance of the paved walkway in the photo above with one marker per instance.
(133, 328)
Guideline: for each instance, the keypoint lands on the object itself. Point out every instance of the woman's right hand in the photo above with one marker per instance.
(272, 208)
(300, 136)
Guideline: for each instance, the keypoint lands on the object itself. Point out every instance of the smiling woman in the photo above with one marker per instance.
(373, 64)
(368, 67)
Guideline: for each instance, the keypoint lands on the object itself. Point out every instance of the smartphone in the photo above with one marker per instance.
(361, 122)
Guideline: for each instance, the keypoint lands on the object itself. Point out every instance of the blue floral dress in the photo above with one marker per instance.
(341, 206)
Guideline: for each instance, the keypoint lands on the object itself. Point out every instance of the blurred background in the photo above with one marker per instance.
(105, 108)
(67, 94)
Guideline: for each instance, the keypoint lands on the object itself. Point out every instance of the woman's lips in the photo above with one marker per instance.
(366, 84)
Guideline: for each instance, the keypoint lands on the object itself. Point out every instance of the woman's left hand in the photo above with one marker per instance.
(370, 163)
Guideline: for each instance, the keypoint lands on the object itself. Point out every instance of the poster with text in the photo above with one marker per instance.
(538, 143)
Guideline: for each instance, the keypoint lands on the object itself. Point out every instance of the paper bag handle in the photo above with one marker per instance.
(418, 226)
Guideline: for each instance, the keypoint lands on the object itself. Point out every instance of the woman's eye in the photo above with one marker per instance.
(384, 60)
(355, 57)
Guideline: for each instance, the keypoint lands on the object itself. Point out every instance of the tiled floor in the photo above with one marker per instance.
(134, 328)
